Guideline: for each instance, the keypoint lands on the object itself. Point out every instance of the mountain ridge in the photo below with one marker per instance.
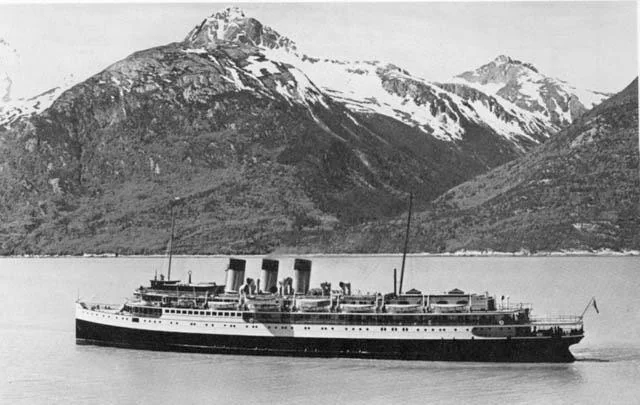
(579, 191)
(442, 110)
(522, 83)
(232, 120)
(205, 125)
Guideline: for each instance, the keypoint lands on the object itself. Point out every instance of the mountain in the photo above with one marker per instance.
(552, 100)
(446, 111)
(262, 151)
(580, 190)
(258, 153)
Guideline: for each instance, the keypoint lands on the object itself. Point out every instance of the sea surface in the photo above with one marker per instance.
(41, 364)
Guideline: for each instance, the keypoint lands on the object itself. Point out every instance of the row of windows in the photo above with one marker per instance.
(203, 313)
(399, 320)
(306, 327)
(382, 329)
(371, 319)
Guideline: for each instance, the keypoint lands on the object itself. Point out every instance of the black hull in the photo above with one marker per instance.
(534, 350)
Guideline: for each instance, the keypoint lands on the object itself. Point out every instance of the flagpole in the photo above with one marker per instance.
(592, 301)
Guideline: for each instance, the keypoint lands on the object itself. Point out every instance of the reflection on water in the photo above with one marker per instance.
(41, 363)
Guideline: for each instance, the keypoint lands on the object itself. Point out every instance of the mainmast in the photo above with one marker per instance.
(406, 243)
(173, 224)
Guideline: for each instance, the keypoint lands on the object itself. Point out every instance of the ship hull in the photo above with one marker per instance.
(543, 349)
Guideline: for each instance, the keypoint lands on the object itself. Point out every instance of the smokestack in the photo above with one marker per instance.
(235, 275)
(269, 275)
(301, 275)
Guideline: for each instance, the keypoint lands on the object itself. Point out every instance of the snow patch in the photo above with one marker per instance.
(306, 89)
(363, 159)
(256, 66)
(531, 89)
(235, 79)
(10, 112)
(353, 120)
(588, 98)
(198, 51)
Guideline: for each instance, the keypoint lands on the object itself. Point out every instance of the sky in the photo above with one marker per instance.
(591, 45)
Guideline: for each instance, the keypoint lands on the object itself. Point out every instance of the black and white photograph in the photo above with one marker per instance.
(333, 202)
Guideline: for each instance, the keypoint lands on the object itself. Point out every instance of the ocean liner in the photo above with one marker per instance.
(286, 317)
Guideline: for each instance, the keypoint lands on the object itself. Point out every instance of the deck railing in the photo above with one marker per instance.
(96, 306)
(557, 320)
(515, 307)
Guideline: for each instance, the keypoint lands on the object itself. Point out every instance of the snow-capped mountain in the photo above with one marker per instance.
(508, 97)
(373, 87)
(232, 25)
(444, 111)
(264, 142)
(553, 100)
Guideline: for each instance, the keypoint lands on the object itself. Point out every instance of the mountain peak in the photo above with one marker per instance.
(502, 71)
(231, 13)
(501, 59)
(232, 25)
(523, 85)
(507, 60)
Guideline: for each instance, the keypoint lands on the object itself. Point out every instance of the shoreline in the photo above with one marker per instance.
(464, 253)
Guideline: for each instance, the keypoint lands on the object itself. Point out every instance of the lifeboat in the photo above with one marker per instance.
(223, 305)
(403, 308)
(313, 304)
(259, 303)
(447, 308)
(358, 308)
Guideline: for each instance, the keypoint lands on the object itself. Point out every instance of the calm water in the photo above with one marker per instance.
(41, 364)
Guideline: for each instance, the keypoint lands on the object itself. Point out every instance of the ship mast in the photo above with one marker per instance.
(173, 224)
(406, 243)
